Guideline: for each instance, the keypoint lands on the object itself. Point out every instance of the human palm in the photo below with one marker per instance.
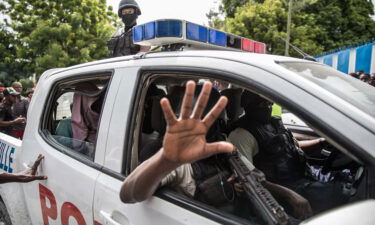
(185, 138)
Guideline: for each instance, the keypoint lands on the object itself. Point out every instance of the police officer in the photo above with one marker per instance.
(273, 149)
(121, 44)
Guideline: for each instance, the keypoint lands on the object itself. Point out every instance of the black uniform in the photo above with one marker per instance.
(122, 44)
(6, 115)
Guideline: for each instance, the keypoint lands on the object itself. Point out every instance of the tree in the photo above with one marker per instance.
(266, 22)
(316, 26)
(10, 68)
(59, 33)
(343, 22)
(230, 6)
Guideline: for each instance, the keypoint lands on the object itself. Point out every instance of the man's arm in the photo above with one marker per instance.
(18, 120)
(312, 147)
(301, 206)
(184, 142)
(24, 177)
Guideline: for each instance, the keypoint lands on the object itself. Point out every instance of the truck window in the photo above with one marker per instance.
(152, 127)
(73, 114)
(319, 165)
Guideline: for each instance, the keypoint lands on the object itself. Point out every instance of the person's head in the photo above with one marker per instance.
(365, 77)
(129, 11)
(30, 92)
(360, 72)
(355, 75)
(256, 107)
(17, 86)
(11, 95)
(372, 79)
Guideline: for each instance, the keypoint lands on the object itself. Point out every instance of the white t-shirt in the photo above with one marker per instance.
(245, 142)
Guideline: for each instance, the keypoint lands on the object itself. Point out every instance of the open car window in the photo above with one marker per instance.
(326, 167)
(73, 114)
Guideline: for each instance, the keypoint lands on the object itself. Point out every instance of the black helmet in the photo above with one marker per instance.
(129, 4)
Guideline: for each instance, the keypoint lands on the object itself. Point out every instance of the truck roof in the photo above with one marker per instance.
(354, 98)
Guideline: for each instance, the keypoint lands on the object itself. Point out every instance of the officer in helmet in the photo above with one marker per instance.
(121, 44)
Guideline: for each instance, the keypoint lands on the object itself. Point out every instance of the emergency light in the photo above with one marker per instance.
(193, 36)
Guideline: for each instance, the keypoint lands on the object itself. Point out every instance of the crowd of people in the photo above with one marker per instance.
(13, 109)
(365, 77)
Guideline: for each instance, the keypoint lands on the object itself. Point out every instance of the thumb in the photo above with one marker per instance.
(219, 147)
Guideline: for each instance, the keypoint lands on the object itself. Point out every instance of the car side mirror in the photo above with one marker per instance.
(359, 213)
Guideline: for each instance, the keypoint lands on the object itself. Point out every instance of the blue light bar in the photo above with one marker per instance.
(149, 31)
(218, 38)
(175, 34)
(196, 32)
(169, 28)
(138, 33)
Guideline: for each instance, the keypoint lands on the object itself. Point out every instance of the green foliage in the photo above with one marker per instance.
(342, 22)
(230, 6)
(59, 33)
(10, 69)
(26, 83)
(265, 21)
(317, 25)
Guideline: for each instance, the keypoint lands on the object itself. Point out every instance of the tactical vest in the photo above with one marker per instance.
(279, 158)
(123, 45)
(211, 176)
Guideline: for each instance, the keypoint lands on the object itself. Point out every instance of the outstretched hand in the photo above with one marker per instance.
(185, 138)
(30, 174)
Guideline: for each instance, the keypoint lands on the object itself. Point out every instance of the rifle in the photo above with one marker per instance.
(268, 209)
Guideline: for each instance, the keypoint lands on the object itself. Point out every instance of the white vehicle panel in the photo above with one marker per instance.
(107, 206)
(118, 123)
(11, 193)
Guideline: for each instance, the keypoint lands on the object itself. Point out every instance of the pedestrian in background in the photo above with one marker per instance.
(7, 119)
(372, 80)
(29, 93)
(17, 86)
(365, 77)
(19, 110)
(355, 75)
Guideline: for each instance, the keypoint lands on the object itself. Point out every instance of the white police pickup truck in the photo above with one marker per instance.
(93, 121)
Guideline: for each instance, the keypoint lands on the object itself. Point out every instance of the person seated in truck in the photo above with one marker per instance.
(264, 140)
(85, 117)
(187, 150)
(64, 127)
(25, 176)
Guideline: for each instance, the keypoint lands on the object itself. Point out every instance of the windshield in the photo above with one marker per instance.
(354, 91)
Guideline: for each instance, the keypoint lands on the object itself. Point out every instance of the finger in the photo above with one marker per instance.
(187, 102)
(230, 179)
(210, 118)
(201, 104)
(36, 164)
(218, 147)
(238, 187)
(169, 115)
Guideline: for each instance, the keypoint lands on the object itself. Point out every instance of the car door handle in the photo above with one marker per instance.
(108, 220)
